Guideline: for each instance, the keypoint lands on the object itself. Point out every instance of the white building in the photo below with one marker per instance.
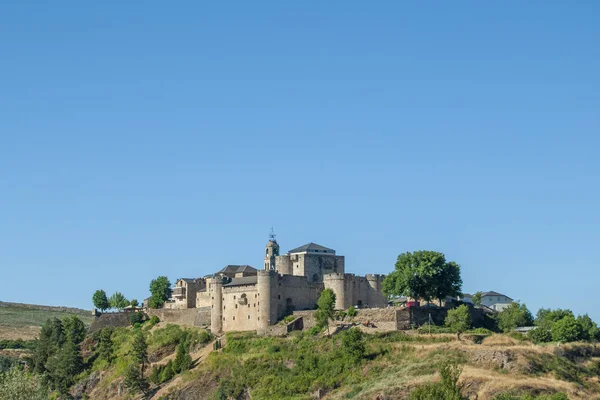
(495, 301)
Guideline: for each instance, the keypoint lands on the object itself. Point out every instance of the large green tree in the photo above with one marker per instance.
(160, 291)
(423, 275)
(100, 300)
(325, 308)
(514, 316)
(118, 301)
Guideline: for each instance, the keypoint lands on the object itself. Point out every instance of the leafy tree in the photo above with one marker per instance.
(541, 334)
(459, 319)
(514, 316)
(134, 303)
(105, 345)
(167, 373)
(325, 308)
(118, 301)
(183, 360)
(64, 366)
(547, 317)
(16, 384)
(567, 329)
(423, 275)
(134, 379)
(589, 327)
(50, 340)
(100, 300)
(139, 349)
(477, 297)
(136, 318)
(74, 329)
(353, 344)
(160, 291)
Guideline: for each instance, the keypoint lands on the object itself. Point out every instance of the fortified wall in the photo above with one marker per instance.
(352, 290)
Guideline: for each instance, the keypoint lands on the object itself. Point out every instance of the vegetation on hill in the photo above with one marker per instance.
(423, 275)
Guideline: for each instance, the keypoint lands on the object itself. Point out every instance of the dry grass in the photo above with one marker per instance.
(23, 332)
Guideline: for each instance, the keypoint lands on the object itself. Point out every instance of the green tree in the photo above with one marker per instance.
(136, 318)
(118, 301)
(459, 319)
(134, 380)
(514, 316)
(167, 373)
(423, 275)
(589, 327)
(105, 345)
(16, 384)
(50, 340)
(134, 303)
(74, 329)
(540, 334)
(325, 308)
(353, 344)
(139, 349)
(160, 291)
(100, 300)
(64, 366)
(567, 329)
(183, 360)
(477, 298)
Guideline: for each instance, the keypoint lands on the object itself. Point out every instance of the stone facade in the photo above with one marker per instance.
(290, 282)
(240, 298)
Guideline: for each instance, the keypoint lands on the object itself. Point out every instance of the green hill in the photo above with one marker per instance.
(24, 320)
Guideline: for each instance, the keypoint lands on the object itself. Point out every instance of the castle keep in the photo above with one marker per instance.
(242, 298)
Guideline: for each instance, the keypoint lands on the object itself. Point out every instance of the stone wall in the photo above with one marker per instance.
(189, 316)
(240, 308)
(113, 320)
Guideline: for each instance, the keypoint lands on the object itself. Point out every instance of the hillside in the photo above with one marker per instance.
(23, 321)
(307, 366)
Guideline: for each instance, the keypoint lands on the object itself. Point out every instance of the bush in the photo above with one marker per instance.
(514, 316)
(540, 334)
(448, 388)
(136, 318)
(353, 344)
(555, 396)
(459, 319)
(352, 312)
(567, 329)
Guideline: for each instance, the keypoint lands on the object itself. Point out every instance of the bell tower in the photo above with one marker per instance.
(271, 251)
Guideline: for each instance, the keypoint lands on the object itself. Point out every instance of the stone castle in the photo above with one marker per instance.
(241, 298)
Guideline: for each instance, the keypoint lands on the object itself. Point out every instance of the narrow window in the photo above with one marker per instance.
(248, 316)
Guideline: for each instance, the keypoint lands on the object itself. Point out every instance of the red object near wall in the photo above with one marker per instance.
(410, 304)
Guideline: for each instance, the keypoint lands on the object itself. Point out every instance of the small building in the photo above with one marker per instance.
(184, 293)
(495, 301)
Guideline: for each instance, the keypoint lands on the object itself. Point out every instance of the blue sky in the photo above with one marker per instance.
(149, 138)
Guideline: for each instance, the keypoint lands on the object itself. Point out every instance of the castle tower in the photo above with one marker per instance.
(216, 315)
(336, 283)
(263, 284)
(271, 251)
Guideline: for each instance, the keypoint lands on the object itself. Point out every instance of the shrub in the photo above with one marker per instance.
(567, 329)
(514, 316)
(353, 344)
(352, 312)
(136, 318)
(540, 334)
(459, 319)
(448, 388)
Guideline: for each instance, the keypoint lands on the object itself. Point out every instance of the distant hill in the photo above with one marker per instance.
(23, 321)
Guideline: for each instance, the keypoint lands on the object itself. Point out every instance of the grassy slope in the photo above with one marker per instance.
(270, 368)
(24, 321)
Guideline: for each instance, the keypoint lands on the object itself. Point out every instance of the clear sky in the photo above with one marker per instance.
(147, 138)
